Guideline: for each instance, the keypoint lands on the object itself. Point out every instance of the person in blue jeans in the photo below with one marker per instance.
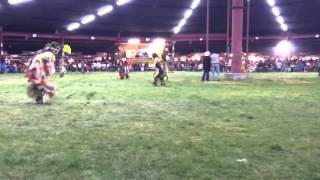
(215, 66)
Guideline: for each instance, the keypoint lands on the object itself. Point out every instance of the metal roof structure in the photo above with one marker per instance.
(155, 18)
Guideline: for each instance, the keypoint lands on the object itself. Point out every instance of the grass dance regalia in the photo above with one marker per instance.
(62, 63)
(40, 70)
(161, 74)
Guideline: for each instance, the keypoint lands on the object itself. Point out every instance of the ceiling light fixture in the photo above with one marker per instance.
(271, 2)
(176, 29)
(187, 15)
(276, 11)
(284, 27)
(182, 22)
(16, 2)
(280, 20)
(104, 10)
(122, 2)
(195, 4)
(73, 26)
(87, 19)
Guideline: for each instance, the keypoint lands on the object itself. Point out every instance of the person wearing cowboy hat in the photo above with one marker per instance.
(206, 66)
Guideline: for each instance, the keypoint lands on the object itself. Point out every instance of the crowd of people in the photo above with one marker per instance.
(9, 65)
(294, 65)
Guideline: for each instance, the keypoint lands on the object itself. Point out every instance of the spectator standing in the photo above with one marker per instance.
(215, 66)
(292, 66)
(319, 68)
(279, 66)
(206, 66)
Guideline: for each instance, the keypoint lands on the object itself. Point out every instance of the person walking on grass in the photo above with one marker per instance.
(206, 66)
(215, 66)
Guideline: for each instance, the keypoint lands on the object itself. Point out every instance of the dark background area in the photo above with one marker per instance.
(154, 18)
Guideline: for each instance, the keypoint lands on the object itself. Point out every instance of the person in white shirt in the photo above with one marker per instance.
(215, 66)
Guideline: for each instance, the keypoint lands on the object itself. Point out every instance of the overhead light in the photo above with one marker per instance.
(276, 11)
(122, 2)
(177, 29)
(284, 48)
(87, 19)
(182, 22)
(34, 35)
(147, 39)
(195, 4)
(257, 37)
(271, 2)
(73, 26)
(92, 38)
(280, 20)
(15, 2)
(284, 27)
(105, 10)
(201, 39)
(188, 13)
(134, 41)
(159, 41)
(317, 36)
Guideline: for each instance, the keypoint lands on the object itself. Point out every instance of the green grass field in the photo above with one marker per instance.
(99, 127)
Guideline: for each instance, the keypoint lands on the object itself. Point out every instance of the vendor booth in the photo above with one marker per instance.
(141, 53)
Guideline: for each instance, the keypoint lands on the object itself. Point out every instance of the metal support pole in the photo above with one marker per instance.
(208, 25)
(248, 28)
(237, 33)
(119, 38)
(173, 51)
(117, 60)
(228, 48)
(1, 41)
(62, 44)
(228, 24)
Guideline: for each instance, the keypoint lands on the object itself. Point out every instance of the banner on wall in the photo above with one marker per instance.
(141, 53)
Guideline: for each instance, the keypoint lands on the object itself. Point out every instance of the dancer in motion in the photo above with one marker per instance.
(161, 74)
(40, 70)
(63, 60)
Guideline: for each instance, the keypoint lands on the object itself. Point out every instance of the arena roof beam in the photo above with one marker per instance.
(59, 36)
(178, 37)
(223, 37)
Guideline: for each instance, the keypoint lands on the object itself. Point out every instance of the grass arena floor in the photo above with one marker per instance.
(99, 127)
